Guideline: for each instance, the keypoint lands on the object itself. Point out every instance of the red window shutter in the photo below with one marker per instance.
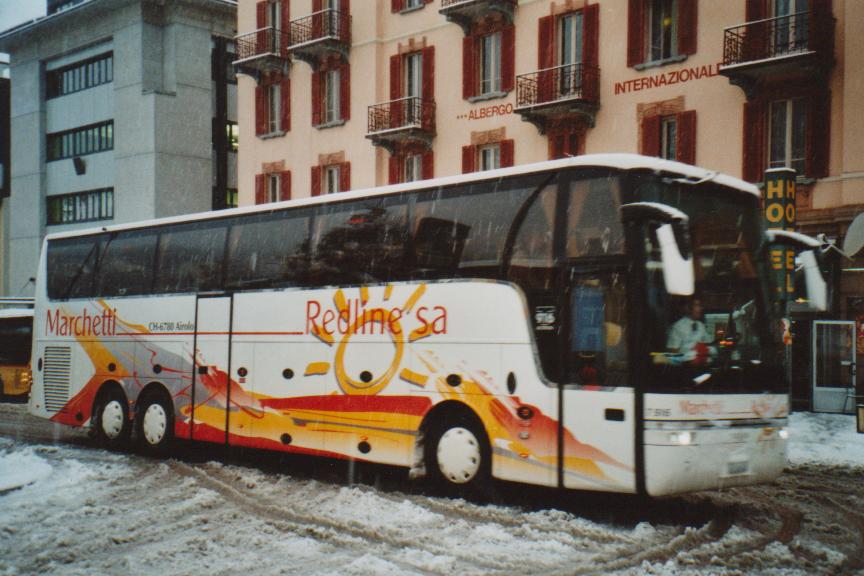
(591, 35)
(316, 180)
(818, 143)
(429, 74)
(345, 6)
(685, 135)
(754, 141)
(755, 10)
(260, 188)
(687, 24)
(317, 19)
(395, 90)
(394, 169)
(345, 91)
(285, 104)
(261, 14)
(469, 157)
(508, 58)
(345, 177)
(635, 32)
(546, 58)
(260, 110)
(428, 165)
(285, 19)
(507, 153)
(317, 5)
(469, 72)
(651, 136)
(395, 5)
(316, 98)
(285, 185)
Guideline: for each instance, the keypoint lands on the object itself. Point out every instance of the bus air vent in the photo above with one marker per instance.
(57, 368)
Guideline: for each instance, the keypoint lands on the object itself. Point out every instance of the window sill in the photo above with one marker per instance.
(659, 63)
(333, 124)
(269, 135)
(413, 8)
(487, 96)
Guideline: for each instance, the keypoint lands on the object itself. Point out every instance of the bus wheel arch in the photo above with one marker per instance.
(154, 418)
(454, 446)
(109, 420)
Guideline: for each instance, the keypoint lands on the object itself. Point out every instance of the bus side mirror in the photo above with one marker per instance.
(817, 289)
(677, 269)
(673, 236)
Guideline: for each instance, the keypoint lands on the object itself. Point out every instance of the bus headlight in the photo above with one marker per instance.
(783, 433)
(684, 438)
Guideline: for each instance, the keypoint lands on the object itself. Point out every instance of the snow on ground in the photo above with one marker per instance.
(825, 439)
(79, 510)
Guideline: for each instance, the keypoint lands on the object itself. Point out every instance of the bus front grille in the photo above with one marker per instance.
(56, 375)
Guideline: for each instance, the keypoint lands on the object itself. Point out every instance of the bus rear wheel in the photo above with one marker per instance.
(155, 423)
(111, 420)
(457, 453)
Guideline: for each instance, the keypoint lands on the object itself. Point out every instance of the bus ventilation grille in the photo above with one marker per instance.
(56, 371)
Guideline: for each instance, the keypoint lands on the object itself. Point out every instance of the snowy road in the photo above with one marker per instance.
(69, 507)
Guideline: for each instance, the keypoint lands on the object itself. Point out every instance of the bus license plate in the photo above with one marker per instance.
(737, 468)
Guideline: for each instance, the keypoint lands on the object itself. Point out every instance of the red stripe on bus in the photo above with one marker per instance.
(411, 405)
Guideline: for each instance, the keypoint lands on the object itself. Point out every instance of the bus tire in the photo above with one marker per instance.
(111, 419)
(457, 453)
(155, 422)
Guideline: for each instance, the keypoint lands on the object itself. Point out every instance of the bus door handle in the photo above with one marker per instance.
(202, 370)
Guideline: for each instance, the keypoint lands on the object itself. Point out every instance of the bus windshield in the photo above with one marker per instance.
(721, 339)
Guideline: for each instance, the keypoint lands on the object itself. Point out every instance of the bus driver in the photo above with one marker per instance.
(689, 337)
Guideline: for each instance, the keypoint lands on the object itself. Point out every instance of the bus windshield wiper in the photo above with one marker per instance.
(74, 281)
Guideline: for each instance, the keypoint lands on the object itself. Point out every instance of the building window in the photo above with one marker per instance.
(273, 100)
(488, 60)
(331, 95)
(271, 187)
(661, 23)
(489, 157)
(668, 127)
(787, 134)
(231, 198)
(413, 168)
(331, 179)
(81, 141)
(80, 76)
(790, 31)
(660, 30)
(81, 207)
(670, 136)
(490, 64)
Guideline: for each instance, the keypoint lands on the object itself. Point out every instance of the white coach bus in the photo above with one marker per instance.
(511, 324)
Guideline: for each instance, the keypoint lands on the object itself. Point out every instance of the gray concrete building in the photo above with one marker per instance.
(121, 110)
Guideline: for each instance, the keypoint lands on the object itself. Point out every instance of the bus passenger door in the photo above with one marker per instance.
(211, 398)
(597, 398)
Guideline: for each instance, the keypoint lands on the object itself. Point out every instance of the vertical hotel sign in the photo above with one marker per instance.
(779, 202)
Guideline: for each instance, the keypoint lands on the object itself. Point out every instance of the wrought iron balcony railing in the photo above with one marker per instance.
(326, 24)
(773, 38)
(262, 42)
(559, 84)
(445, 4)
(403, 114)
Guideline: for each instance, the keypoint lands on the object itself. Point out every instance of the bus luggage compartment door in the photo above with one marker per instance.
(212, 391)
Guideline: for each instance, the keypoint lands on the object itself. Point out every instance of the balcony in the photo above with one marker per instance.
(319, 35)
(568, 92)
(406, 121)
(785, 49)
(262, 51)
(466, 12)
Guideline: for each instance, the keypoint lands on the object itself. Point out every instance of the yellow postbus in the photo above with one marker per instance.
(16, 335)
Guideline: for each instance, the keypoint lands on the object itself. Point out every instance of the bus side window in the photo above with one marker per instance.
(126, 263)
(71, 264)
(268, 251)
(593, 224)
(190, 257)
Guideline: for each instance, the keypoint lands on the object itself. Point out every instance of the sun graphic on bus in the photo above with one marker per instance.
(368, 333)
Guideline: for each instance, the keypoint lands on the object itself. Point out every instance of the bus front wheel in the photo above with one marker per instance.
(155, 422)
(458, 453)
(111, 419)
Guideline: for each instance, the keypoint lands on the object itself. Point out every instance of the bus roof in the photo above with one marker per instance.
(626, 162)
